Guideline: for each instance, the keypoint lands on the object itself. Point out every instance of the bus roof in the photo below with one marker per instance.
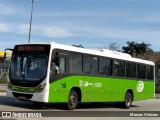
(102, 52)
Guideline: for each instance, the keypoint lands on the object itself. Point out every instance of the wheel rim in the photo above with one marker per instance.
(72, 100)
(128, 100)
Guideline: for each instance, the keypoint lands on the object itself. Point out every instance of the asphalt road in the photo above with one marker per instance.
(90, 111)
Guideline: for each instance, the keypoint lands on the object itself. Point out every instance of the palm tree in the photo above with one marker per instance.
(141, 49)
(130, 49)
(80, 46)
(145, 49)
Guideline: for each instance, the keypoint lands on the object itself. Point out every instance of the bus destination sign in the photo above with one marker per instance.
(30, 48)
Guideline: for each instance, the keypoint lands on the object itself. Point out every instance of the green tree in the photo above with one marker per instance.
(130, 48)
(144, 49)
(139, 49)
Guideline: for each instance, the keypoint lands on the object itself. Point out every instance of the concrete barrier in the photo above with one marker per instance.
(3, 87)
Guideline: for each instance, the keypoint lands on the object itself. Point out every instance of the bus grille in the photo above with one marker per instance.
(18, 95)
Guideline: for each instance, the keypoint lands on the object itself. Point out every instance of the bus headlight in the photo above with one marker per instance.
(41, 87)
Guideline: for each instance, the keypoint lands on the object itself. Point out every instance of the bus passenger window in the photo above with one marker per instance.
(105, 66)
(91, 65)
(141, 71)
(75, 63)
(128, 69)
(60, 68)
(62, 65)
(133, 70)
(119, 68)
(54, 69)
(150, 72)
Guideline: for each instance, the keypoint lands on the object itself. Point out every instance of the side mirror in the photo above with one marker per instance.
(5, 54)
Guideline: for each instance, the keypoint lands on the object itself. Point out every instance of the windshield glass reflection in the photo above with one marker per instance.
(29, 66)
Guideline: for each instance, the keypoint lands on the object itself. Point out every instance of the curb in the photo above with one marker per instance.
(3, 90)
(3, 93)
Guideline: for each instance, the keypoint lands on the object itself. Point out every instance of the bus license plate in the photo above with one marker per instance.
(22, 97)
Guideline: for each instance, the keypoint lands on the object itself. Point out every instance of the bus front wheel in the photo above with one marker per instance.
(72, 100)
(128, 100)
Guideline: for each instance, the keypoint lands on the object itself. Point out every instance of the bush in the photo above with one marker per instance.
(3, 81)
(157, 89)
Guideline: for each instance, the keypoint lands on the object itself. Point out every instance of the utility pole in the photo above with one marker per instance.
(31, 21)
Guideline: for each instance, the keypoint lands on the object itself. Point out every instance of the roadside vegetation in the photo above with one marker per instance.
(157, 89)
(4, 71)
(3, 81)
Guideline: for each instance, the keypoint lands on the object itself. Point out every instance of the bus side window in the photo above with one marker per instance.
(62, 65)
(91, 65)
(75, 63)
(105, 67)
(119, 68)
(115, 67)
(150, 72)
(111, 67)
(141, 71)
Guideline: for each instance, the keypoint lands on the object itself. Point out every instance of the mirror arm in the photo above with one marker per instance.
(8, 49)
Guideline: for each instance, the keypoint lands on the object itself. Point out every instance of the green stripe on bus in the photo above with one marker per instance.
(100, 89)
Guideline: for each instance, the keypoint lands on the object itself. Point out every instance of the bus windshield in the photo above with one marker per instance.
(29, 66)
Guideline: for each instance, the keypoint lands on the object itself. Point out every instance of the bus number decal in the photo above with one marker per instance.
(98, 84)
(85, 84)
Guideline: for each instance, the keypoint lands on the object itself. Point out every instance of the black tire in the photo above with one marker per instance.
(128, 100)
(72, 100)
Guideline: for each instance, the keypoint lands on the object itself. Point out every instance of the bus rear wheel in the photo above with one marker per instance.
(128, 100)
(72, 100)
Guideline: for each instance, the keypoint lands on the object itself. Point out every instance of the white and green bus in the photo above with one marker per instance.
(84, 75)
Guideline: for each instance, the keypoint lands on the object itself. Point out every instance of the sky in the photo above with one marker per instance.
(91, 23)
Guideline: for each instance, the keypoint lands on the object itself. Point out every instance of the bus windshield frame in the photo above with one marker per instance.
(29, 65)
